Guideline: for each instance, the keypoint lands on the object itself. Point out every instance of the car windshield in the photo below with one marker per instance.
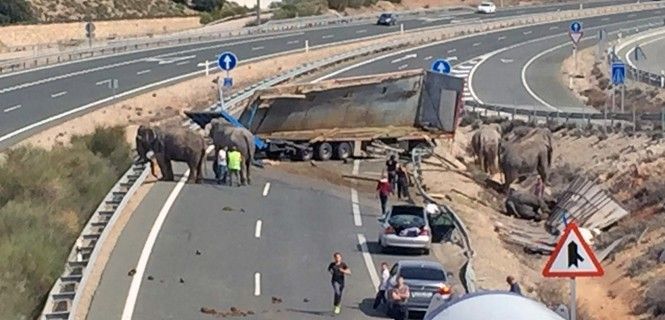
(423, 273)
(485, 4)
(385, 15)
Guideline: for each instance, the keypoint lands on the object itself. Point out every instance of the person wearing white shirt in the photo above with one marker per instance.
(221, 166)
(381, 295)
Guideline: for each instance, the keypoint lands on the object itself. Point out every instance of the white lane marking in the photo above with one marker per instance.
(142, 72)
(632, 15)
(59, 94)
(506, 60)
(428, 57)
(521, 11)
(258, 48)
(469, 80)
(554, 27)
(99, 83)
(404, 66)
(182, 63)
(328, 36)
(293, 42)
(124, 63)
(361, 31)
(357, 219)
(356, 167)
(476, 44)
(526, 66)
(169, 60)
(10, 109)
(527, 32)
(501, 38)
(465, 67)
(656, 37)
(605, 19)
(406, 57)
(266, 189)
(451, 50)
(134, 287)
(257, 284)
(368, 261)
(453, 58)
(257, 230)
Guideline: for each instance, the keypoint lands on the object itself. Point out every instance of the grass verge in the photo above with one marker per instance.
(46, 197)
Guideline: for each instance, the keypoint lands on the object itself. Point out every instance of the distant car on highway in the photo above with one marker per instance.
(424, 278)
(387, 19)
(405, 226)
(486, 7)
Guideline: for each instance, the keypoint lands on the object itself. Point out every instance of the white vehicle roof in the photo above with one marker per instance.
(492, 305)
(486, 4)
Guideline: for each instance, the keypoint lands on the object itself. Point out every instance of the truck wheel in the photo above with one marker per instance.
(324, 151)
(305, 154)
(343, 151)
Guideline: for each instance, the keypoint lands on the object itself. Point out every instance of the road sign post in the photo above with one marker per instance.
(572, 258)
(441, 66)
(227, 61)
(575, 32)
(90, 32)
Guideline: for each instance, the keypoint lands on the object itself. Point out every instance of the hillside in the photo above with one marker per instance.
(61, 10)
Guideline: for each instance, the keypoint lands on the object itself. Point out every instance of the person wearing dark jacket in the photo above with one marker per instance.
(402, 182)
(514, 287)
(391, 168)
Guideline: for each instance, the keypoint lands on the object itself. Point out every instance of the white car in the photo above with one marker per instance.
(405, 226)
(486, 7)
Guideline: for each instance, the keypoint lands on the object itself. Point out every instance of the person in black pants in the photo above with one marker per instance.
(338, 269)
(402, 183)
(391, 168)
(399, 295)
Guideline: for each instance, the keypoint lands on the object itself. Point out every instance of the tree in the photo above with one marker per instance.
(207, 5)
(13, 11)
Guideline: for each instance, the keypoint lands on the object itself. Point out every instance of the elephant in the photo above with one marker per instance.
(172, 144)
(520, 156)
(525, 205)
(224, 134)
(485, 146)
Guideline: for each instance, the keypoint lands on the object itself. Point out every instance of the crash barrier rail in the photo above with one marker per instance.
(48, 59)
(466, 272)
(633, 72)
(66, 291)
(63, 300)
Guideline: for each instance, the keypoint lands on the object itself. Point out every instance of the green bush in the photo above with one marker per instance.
(46, 197)
(300, 8)
(13, 11)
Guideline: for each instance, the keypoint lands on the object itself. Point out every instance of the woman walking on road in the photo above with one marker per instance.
(338, 269)
(384, 189)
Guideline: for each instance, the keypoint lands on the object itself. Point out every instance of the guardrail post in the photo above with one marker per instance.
(401, 28)
(662, 120)
(512, 118)
(306, 46)
(662, 78)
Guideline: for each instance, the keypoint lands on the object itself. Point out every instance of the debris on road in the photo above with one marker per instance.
(276, 300)
(198, 253)
(151, 278)
(182, 281)
(131, 273)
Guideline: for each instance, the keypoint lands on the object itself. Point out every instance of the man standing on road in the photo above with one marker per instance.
(338, 269)
(384, 189)
(234, 161)
(399, 296)
(514, 287)
(383, 286)
(391, 168)
(221, 170)
(402, 183)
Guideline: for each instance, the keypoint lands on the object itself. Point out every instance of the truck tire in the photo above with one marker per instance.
(343, 151)
(324, 151)
(305, 154)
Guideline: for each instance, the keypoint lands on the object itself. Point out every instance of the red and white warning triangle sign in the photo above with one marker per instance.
(572, 257)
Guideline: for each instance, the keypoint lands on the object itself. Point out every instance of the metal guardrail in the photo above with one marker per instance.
(633, 72)
(64, 295)
(466, 273)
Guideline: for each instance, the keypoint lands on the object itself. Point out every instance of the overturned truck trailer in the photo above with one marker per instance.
(341, 118)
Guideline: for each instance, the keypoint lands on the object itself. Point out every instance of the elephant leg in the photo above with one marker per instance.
(193, 172)
(542, 169)
(168, 168)
(248, 165)
(508, 179)
(164, 167)
(243, 174)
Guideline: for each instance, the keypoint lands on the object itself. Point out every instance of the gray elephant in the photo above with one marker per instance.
(525, 205)
(520, 156)
(224, 134)
(172, 143)
(485, 144)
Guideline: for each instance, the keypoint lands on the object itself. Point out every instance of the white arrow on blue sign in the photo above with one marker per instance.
(575, 27)
(227, 61)
(618, 73)
(441, 66)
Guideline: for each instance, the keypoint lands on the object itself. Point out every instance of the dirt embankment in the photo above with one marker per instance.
(630, 166)
(591, 84)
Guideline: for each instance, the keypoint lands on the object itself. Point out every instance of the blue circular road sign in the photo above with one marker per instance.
(441, 66)
(575, 27)
(227, 61)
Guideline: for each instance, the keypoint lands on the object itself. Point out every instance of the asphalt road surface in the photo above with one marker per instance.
(32, 99)
(302, 222)
(653, 46)
(500, 82)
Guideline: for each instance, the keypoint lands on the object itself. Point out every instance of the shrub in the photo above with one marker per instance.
(13, 11)
(45, 199)
(654, 299)
(206, 5)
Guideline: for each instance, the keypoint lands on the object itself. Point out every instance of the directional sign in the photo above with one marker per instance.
(575, 32)
(228, 82)
(441, 66)
(618, 72)
(572, 257)
(575, 27)
(227, 61)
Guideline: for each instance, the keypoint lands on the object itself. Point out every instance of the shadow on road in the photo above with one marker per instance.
(374, 248)
(326, 313)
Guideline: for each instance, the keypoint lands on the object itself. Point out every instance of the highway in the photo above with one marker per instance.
(43, 96)
(496, 61)
(652, 45)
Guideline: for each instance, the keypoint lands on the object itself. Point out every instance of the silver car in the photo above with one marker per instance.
(405, 226)
(424, 278)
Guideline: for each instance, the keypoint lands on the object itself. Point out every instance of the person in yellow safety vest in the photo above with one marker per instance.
(234, 161)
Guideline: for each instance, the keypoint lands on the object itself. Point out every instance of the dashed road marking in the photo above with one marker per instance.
(554, 27)
(605, 19)
(406, 57)
(368, 261)
(10, 109)
(427, 58)
(257, 230)
(361, 31)
(143, 72)
(258, 48)
(257, 284)
(293, 42)
(182, 63)
(501, 38)
(266, 189)
(59, 94)
(404, 66)
(356, 167)
(328, 36)
(451, 50)
(357, 220)
(99, 83)
(527, 32)
(476, 44)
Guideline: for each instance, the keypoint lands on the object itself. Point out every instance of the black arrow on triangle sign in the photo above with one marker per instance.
(573, 256)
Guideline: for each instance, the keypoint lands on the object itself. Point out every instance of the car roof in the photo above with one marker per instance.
(486, 3)
(420, 263)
